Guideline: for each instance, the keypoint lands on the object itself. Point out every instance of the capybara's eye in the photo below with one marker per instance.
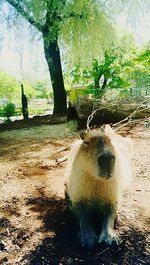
(86, 142)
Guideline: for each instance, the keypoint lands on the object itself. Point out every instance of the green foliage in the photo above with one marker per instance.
(122, 66)
(104, 68)
(72, 22)
(9, 110)
(1, 112)
(86, 31)
(9, 87)
(11, 90)
(28, 89)
(37, 8)
(72, 126)
(136, 70)
(139, 78)
(42, 91)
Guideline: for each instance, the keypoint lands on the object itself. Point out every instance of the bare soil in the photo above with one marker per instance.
(36, 227)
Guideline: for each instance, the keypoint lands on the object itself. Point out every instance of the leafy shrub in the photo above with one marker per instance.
(72, 126)
(1, 112)
(9, 110)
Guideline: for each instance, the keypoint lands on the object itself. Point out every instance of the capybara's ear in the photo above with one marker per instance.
(83, 135)
(102, 128)
(107, 129)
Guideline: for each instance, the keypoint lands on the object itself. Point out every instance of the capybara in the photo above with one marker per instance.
(98, 172)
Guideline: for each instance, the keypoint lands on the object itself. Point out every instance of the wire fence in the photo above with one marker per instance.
(139, 91)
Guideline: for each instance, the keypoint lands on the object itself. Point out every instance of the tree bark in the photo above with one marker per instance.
(108, 112)
(96, 81)
(52, 55)
(104, 84)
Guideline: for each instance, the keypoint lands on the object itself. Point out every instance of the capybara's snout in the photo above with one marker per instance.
(106, 163)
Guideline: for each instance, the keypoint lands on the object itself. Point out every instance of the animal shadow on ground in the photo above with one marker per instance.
(63, 247)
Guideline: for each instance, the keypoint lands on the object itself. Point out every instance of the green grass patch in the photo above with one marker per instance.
(41, 132)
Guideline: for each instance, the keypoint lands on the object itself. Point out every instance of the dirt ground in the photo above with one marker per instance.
(35, 225)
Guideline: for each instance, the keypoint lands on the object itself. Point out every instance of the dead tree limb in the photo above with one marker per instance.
(128, 119)
(125, 121)
(90, 118)
(131, 115)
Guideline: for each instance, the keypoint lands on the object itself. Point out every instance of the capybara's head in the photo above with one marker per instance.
(98, 153)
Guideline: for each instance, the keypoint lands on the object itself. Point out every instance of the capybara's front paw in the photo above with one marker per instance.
(88, 239)
(109, 237)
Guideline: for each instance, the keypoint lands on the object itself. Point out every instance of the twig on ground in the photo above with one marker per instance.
(55, 163)
(102, 251)
(60, 150)
(61, 160)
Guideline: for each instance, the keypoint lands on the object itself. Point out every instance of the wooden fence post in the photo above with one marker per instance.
(24, 104)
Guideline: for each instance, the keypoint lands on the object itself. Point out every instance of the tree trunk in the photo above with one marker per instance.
(52, 55)
(104, 84)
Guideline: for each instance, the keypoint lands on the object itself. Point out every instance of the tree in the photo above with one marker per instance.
(124, 65)
(102, 72)
(50, 16)
(50, 13)
(41, 88)
(137, 68)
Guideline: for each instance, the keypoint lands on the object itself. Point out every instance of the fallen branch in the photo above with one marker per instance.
(128, 119)
(130, 116)
(125, 121)
(90, 118)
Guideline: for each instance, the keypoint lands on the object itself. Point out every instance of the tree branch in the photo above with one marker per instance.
(141, 107)
(131, 115)
(21, 11)
(74, 15)
(90, 118)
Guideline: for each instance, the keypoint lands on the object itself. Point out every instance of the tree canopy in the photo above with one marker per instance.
(122, 66)
(83, 29)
